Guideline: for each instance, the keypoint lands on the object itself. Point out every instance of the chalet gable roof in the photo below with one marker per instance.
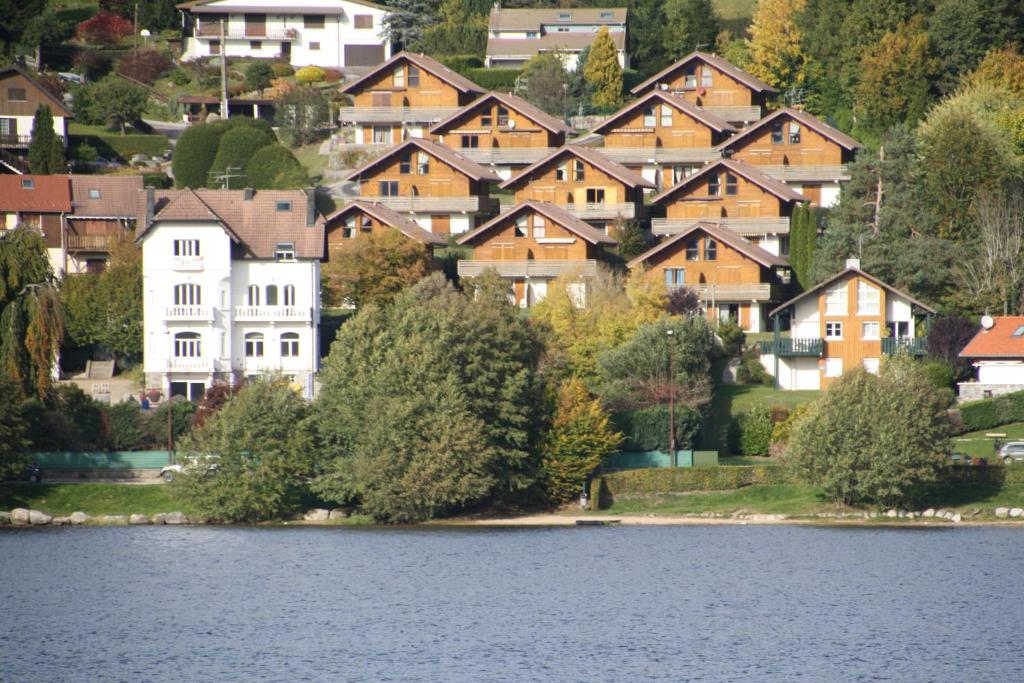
(550, 211)
(465, 166)
(1005, 339)
(116, 196)
(723, 235)
(428, 64)
(516, 104)
(58, 107)
(802, 117)
(593, 157)
(389, 217)
(712, 121)
(744, 170)
(846, 273)
(749, 80)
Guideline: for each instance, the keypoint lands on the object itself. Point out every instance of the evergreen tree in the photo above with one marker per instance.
(46, 151)
(962, 31)
(407, 20)
(544, 83)
(776, 53)
(462, 30)
(275, 168)
(645, 36)
(603, 72)
(690, 25)
(13, 428)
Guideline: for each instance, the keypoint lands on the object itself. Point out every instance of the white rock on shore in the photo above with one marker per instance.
(175, 518)
(38, 518)
(61, 521)
(892, 513)
(317, 515)
(930, 512)
(338, 513)
(1002, 512)
(19, 516)
(955, 518)
(1016, 512)
(79, 518)
(5, 517)
(138, 519)
(112, 520)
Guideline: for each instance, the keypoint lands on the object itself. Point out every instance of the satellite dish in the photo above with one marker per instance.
(511, 123)
(987, 322)
(663, 86)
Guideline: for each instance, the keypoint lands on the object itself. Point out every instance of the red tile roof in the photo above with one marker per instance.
(999, 341)
(117, 195)
(47, 194)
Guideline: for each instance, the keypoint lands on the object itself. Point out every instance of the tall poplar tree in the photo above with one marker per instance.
(602, 71)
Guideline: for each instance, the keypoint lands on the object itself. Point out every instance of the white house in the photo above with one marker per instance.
(516, 35)
(326, 33)
(997, 354)
(231, 287)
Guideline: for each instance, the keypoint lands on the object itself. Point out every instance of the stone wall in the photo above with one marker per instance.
(976, 391)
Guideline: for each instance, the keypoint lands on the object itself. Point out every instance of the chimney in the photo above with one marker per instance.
(150, 205)
(853, 263)
(310, 209)
(248, 194)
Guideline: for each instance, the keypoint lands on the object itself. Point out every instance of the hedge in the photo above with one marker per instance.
(494, 79)
(461, 63)
(682, 479)
(122, 147)
(993, 474)
(647, 429)
(992, 412)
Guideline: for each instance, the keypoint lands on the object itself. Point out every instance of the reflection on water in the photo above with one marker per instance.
(590, 604)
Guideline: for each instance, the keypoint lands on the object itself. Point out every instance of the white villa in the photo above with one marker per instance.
(326, 33)
(231, 287)
(997, 354)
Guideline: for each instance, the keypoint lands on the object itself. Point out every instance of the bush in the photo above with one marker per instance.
(154, 422)
(683, 301)
(159, 181)
(258, 76)
(234, 151)
(685, 479)
(275, 168)
(308, 75)
(180, 77)
(732, 337)
(146, 66)
(494, 79)
(195, 152)
(647, 429)
(752, 432)
(751, 370)
(630, 79)
(462, 63)
(93, 64)
(125, 420)
(992, 412)
(84, 152)
(282, 69)
(69, 420)
(104, 28)
(938, 373)
(332, 75)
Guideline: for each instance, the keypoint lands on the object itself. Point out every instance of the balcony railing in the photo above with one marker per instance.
(660, 155)
(602, 210)
(192, 313)
(793, 347)
(743, 226)
(754, 291)
(436, 204)
(211, 31)
(502, 155)
(190, 365)
(528, 268)
(394, 114)
(88, 242)
(268, 313)
(15, 141)
(808, 173)
(736, 114)
(187, 263)
(915, 346)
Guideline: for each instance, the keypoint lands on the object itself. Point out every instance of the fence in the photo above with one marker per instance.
(101, 460)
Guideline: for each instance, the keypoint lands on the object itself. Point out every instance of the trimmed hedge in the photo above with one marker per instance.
(993, 474)
(121, 147)
(992, 412)
(494, 79)
(461, 63)
(647, 429)
(683, 479)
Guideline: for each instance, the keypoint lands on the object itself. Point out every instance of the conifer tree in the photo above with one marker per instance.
(46, 151)
(603, 73)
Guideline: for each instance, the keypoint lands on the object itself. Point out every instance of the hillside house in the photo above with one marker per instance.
(20, 97)
(584, 182)
(40, 202)
(735, 195)
(503, 132)
(362, 218)
(443, 191)
(714, 84)
(997, 354)
(516, 35)
(402, 98)
(734, 278)
(231, 287)
(103, 210)
(852, 319)
(800, 150)
(531, 245)
(340, 34)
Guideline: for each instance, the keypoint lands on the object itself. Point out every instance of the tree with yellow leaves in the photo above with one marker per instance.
(775, 54)
(1003, 68)
(603, 73)
(895, 78)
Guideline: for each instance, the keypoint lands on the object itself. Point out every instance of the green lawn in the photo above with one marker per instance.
(311, 159)
(112, 145)
(729, 400)
(977, 445)
(93, 499)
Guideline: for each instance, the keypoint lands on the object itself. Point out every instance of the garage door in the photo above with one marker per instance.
(364, 55)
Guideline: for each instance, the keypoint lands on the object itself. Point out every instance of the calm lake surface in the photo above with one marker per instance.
(581, 604)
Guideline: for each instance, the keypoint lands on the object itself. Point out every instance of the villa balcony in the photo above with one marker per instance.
(211, 31)
(188, 313)
(394, 114)
(660, 155)
(187, 263)
(88, 242)
(199, 365)
(754, 291)
(816, 173)
(791, 348)
(528, 268)
(441, 205)
(915, 346)
(272, 313)
(768, 225)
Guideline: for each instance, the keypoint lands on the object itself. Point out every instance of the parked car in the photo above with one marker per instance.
(169, 472)
(1011, 452)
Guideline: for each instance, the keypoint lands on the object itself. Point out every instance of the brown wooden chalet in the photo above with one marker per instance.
(363, 218)
(20, 97)
(104, 210)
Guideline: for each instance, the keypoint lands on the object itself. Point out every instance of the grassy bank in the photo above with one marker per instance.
(92, 499)
(978, 445)
(731, 400)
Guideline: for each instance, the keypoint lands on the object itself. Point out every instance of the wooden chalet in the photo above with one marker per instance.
(734, 278)
(443, 191)
(362, 218)
(502, 131)
(104, 209)
(532, 244)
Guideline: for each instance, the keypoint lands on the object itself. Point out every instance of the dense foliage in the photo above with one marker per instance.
(373, 268)
(234, 151)
(275, 168)
(46, 151)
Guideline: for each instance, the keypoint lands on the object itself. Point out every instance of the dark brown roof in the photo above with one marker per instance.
(467, 167)
(751, 173)
(549, 42)
(428, 64)
(812, 122)
(722, 65)
(118, 195)
(722, 234)
(47, 193)
(60, 108)
(390, 217)
(286, 7)
(712, 121)
(592, 157)
(555, 213)
(532, 18)
(842, 274)
(517, 104)
(255, 223)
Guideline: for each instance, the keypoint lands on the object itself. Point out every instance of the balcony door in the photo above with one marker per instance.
(255, 25)
(8, 129)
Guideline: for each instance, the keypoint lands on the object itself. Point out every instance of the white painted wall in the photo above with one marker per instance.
(897, 309)
(806, 319)
(794, 373)
(25, 125)
(1000, 372)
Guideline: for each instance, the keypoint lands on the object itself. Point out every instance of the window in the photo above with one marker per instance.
(186, 345)
(835, 300)
(560, 171)
(16, 95)
(899, 329)
(485, 116)
(405, 164)
(564, 16)
(423, 163)
(254, 295)
(674, 276)
(595, 195)
(186, 247)
(254, 345)
(833, 330)
(710, 249)
(470, 141)
(28, 184)
(271, 295)
(693, 250)
(666, 116)
(777, 133)
(414, 76)
(284, 251)
(314, 45)
(363, 20)
(833, 367)
(713, 188)
(731, 184)
(382, 135)
(871, 365)
(521, 226)
(289, 345)
(531, 34)
(868, 299)
(580, 172)
(255, 44)
(289, 295)
(649, 116)
(387, 188)
(794, 133)
(313, 21)
(1019, 332)
(606, 15)
(690, 78)
(283, 206)
(94, 194)
(187, 295)
(502, 116)
(399, 77)
(539, 229)
(869, 330)
(706, 79)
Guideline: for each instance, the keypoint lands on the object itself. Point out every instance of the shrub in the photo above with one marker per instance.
(104, 28)
(275, 168)
(234, 151)
(154, 422)
(938, 373)
(647, 429)
(125, 426)
(732, 337)
(683, 301)
(494, 79)
(93, 64)
(462, 63)
(752, 432)
(258, 76)
(308, 75)
(750, 370)
(195, 152)
(180, 77)
(282, 69)
(782, 429)
(332, 75)
(84, 152)
(145, 66)
(992, 412)
(159, 181)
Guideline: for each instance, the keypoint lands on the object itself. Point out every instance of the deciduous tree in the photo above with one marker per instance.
(373, 268)
(305, 114)
(544, 84)
(776, 54)
(258, 76)
(13, 428)
(962, 31)
(105, 28)
(603, 72)
(895, 78)
(1002, 68)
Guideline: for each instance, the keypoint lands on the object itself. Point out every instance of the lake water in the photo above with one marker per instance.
(741, 603)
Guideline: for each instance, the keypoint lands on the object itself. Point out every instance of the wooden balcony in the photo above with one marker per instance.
(528, 268)
(189, 313)
(915, 346)
(394, 114)
(504, 156)
(768, 225)
(754, 291)
(660, 155)
(819, 173)
(88, 242)
(441, 205)
(736, 114)
(602, 211)
(272, 313)
(211, 31)
(790, 348)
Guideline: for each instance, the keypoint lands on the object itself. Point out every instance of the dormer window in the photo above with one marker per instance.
(794, 133)
(690, 78)
(284, 206)
(564, 16)
(706, 77)
(714, 189)
(1019, 332)
(777, 133)
(606, 15)
(399, 77)
(485, 116)
(94, 194)
(284, 251)
(28, 184)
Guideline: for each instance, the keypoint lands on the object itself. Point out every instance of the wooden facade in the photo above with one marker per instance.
(499, 121)
(361, 218)
(709, 81)
(720, 192)
(785, 140)
(660, 120)
(20, 96)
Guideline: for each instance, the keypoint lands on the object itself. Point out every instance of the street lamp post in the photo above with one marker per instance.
(671, 400)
